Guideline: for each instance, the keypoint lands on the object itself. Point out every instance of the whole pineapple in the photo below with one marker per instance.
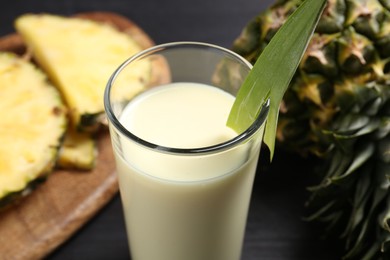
(338, 108)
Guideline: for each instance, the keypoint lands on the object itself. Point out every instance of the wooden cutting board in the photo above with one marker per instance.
(68, 199)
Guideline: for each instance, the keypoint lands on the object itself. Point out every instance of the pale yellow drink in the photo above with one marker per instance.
(184, 207)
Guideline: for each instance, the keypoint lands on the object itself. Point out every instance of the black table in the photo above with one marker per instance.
(275, 228)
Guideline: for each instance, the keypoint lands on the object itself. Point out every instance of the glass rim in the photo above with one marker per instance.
(240, 138)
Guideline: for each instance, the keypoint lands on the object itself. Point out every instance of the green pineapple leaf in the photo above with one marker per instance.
(273, 71)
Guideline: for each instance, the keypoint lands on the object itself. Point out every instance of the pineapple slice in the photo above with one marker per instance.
(78, 151)
(79, 56)
(33, 121)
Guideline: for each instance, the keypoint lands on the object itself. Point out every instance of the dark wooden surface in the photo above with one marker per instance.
(275, 228)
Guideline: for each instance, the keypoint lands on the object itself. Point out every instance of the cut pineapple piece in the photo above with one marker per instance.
(78, 151)
(79, 56)
(33, 121)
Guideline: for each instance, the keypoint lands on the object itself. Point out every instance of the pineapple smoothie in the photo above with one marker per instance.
(190, 206)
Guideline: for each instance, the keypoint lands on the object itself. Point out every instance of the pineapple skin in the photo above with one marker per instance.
(337, 108)
(31, 130)
(79, 56)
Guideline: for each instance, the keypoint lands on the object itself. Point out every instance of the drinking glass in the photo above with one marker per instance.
(201, 212)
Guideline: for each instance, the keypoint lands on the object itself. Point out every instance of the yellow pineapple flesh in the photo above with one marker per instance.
(79, 56)
(33, 121)
(78, 151)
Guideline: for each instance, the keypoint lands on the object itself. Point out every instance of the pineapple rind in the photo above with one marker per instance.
(79, 56)
(33, 123)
